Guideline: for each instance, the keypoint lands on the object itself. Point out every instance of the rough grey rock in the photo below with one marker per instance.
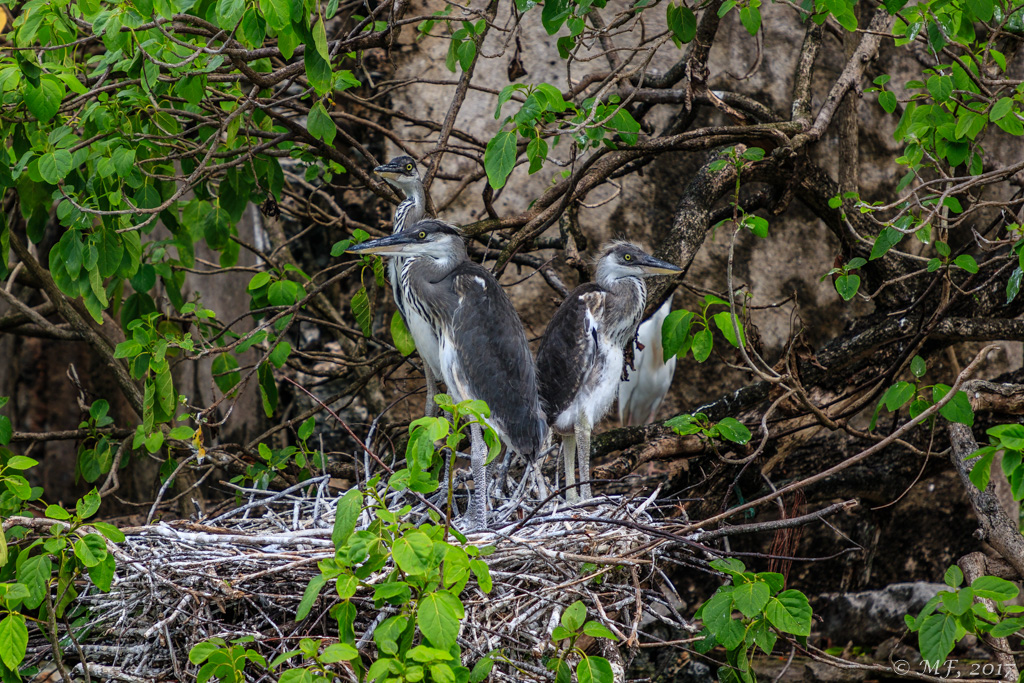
(872, 616)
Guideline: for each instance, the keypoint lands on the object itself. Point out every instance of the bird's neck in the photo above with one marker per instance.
(412, 208)
(429, 271)
(625, 306)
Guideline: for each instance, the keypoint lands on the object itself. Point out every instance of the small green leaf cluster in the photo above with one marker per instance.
(958, 409)
(685, 332)
(744, 220)
(427, 575)
(750, 13)
(1008, 439)
(16, 489)
(224, 662)
(846, 281)
(96, 452)
(1013, 285)
(462, 47)
(42, 572)
(544, 113)
(951, 615)
(728, 428)
(361, 308)
(423, 459)
(765, 611)
(572, 625)
(570, 13)
(154, 340)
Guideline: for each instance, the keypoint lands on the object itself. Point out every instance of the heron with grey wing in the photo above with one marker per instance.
(482, 349)
(579, 362)
(403, 174)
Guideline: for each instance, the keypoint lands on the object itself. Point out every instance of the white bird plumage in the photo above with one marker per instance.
(641, 395)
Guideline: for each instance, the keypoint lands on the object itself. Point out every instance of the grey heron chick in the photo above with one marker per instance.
(641, 394)
(482, 346)
(580, 358)
(403, 174)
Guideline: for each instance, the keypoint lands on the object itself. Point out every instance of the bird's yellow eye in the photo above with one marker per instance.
(408, 167)
(422, 235)
(628, 257)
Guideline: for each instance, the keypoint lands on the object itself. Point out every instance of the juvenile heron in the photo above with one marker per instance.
(580, 358)
(402, 174)
(482, 347)
(641, 394)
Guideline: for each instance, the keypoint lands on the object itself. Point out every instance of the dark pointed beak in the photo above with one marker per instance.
(388, 171)
(392, 245)
(655, 266)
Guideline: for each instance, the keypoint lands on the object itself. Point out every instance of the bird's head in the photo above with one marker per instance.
(623, 259)
(400, 172)
(430, 238)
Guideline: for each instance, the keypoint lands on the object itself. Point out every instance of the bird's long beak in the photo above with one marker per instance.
(655, 266)
(388, 171)
(392, 245)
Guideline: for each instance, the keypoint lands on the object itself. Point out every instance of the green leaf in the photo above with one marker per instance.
(595, 629)
(268, 388)
(481, 670)
(982, 9)
(750, 17)
(20, 462)
(751, 598)
(200, 652)
(594, 670)
(34, 573)
(681, 21)
(886, 240)
(13, 640)
(790, 612)
(87, 505)
(574, 615)
(675, 333)
(1007, 627)
(958, 409)
(401, 336)
(887, 100)
(413, 553)
(957, 602)
(967, 262)
(361, 310)
(940, 87)
(338, 652)
(1000, 109)
(724, 322)
(898, 395)
(44, 100)
(918, 367)
(109, 530)
(500, 158)
(224, 375)
(318, 71)
(54, 166)
(847, 286)
(994, 588)
(733, 430)
(1009, 435)
(701, 346)
(937, 637)
(319, 123)
(482, 573)
(982, 470)
(346, 514)
(309, 597)
(91, 549)
(438, 616)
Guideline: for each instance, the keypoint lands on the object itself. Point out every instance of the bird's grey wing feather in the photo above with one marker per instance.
(569, 349)
(490, 343)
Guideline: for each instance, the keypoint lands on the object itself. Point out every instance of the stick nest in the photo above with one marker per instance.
(243, 574)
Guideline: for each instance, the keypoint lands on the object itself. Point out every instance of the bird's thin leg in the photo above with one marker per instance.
(431, 407)
(569, 458)
(583, 452)
(478, 460)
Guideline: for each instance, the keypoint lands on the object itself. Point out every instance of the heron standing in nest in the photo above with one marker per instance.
(482, 349)
(579, 363)
(403, 174)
